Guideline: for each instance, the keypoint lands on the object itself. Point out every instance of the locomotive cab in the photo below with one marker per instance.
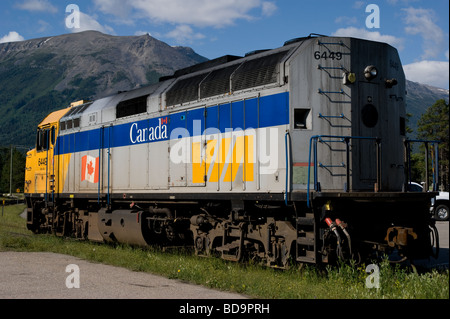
(40, 162)
(42, 166)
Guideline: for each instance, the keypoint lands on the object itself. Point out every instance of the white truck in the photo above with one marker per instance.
(439, 206)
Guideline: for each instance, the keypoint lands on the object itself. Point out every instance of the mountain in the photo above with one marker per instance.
(419, 97)
(41, 75)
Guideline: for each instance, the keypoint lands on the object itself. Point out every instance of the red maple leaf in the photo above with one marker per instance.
(90, 168)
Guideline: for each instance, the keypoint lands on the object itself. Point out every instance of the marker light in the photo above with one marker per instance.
(370, 72)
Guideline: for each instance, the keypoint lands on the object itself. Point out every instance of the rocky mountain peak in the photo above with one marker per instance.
(40, 75)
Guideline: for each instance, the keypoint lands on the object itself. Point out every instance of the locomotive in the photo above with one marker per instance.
(289, 154)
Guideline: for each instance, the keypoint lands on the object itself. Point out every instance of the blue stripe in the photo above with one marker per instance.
(273, 111)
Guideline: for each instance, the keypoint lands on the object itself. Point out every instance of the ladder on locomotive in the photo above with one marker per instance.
(306, 248)
(338, 98)
(306, 244)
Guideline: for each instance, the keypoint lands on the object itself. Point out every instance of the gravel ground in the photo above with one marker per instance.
(44, 276)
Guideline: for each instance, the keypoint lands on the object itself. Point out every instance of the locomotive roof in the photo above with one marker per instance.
(53, 117)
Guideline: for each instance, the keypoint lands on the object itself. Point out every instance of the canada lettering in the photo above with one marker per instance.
(149, 134)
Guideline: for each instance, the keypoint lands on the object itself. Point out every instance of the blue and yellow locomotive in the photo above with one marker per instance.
(292, 153)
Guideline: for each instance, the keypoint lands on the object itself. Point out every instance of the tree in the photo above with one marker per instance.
(18, 174)
(434, 125)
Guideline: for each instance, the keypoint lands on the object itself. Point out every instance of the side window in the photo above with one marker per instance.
(53, 136)
(39, 140)
(44, 138)
(302, 120)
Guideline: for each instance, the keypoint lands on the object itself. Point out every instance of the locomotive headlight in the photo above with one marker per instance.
(370, 72)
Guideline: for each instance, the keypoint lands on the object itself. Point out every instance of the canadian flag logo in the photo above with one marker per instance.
(89, 169)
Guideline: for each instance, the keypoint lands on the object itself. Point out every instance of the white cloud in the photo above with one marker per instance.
(121, 9)
(404, 2)
(217, 13)
(346, 20)
(88, 22)
(367, 35)
(184, 34)
(44, 26)
(421, 21)
(268, 8)
(358, 4)
(435, 73)
(114, 7)
(37, 5)
(12, 36)
(199, 13)
(140, 32)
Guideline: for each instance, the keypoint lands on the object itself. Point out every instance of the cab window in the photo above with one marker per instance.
(53, 135)
(45, 138)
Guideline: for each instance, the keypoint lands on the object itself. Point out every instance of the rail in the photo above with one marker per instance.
(337, 139)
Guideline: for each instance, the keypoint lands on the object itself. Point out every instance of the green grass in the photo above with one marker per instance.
(309, 282)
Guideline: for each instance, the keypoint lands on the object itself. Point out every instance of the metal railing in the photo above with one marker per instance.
(313, 142)
(434, 163)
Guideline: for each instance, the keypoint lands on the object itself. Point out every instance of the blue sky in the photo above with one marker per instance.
(419, 29)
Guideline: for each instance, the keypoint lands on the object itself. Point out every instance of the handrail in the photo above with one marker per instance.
(435, 163)
(330, 67)
(108, 196)
(332, 43)
(288, 155)
(331, 92)
(100, 161)
(313, 142)
(332, 116)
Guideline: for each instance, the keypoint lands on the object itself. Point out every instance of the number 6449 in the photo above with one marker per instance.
(327, 55)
